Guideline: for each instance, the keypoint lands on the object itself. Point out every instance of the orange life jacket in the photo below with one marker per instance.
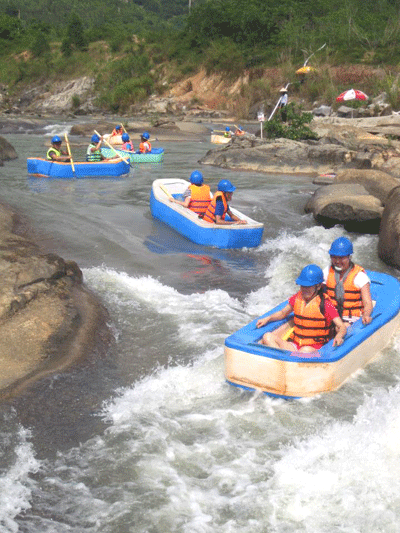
(144, 147)
(239, 132)
(310, 325)
(116, 132)
(352, 304)
(209, 215)
(199, 198)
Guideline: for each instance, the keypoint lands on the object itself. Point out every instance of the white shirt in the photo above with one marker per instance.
(359, 281)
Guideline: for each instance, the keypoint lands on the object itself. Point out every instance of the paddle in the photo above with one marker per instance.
(127, 160)
(70, 155)
(166, 191)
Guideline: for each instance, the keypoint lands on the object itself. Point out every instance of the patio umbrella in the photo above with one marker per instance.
(351, 94)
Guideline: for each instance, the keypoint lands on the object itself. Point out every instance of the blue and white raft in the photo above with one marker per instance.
(188, 224)
(86, 169)
(286, 374)
(155, 156)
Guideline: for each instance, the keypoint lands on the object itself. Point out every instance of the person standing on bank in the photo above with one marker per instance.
(197, 196)
(219, 206)
(54, 153)
(314, 316)
(283, 102)
(347, 284)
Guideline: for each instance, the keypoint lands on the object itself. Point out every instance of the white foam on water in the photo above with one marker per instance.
(16, 485)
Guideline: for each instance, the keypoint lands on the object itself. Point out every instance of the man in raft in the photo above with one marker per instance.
(54, 153)
(197, 196)
(219, 206)
(347, 284)
(314, 317)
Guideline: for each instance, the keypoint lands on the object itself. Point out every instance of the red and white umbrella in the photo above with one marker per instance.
(351, 94)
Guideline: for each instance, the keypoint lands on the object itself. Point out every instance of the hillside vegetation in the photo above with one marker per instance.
(134, 48)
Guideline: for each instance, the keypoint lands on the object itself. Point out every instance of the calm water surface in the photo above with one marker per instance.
(150, 439)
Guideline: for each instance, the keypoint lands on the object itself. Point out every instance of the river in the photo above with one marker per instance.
(150, 438)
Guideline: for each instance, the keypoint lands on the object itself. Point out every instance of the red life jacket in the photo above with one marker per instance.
(144, 147)
(352, 303)
(310, 325)
(209, 215)
(199, 198)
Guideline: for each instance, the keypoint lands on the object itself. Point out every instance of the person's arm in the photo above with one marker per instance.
(62, 158)
(278, 315)
(341, 331)
(367, 303)
(185, 203)
(236, 219)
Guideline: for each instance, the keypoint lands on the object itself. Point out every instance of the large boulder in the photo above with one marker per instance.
(48, 319)
(389, 235)
(7, 151)
(376, 182)
(349, 204)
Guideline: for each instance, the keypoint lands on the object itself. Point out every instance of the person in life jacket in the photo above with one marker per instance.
(315, 316)
(128, 144)
(145, 145)
(239, 131)
(227, 132)
(93, 152)
(347, 284)
(219, 206)
(54, 153)
(117, 130)
(197, 196)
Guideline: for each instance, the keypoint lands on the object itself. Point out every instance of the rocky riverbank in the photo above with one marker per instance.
(48, 320)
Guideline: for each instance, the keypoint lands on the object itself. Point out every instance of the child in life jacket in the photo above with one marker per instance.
(197, 196)
(347, 284)
(145, 145)
(314, 314)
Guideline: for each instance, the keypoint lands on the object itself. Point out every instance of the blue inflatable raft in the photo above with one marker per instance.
(54, 169)
(286, 374)
(188, 224)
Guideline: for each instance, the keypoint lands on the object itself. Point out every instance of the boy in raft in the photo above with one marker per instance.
(314, 314)
(128, 144)
(347, 284)
(219, 206)
(93, 152)
(239, 131)
(117, 130)
(145, 145)
(197, 196)
(54, 153)
(228, 132)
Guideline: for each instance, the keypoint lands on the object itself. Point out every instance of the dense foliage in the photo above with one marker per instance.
(140, 37)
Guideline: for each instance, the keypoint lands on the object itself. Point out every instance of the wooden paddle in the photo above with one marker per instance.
(70, 155)
(166, 191)
(127, 160)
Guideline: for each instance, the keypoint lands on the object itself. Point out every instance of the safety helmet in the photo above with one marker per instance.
(119, 127)
(95, 138)
(196, 177)
(146, 135)
(227, 128)
(240, 127)
(226, 186)
(341, 247)
(56, 139)
(125, 137)
(310, 275)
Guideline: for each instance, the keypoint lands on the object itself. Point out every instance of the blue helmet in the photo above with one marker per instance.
(119, 127)
(240, 128)
(310, 275)
(146, 135)
(56, 139)
(95, 138)
(196, 177)
(227, 128)
(226, 186)
(341, 247)
(125, 137)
